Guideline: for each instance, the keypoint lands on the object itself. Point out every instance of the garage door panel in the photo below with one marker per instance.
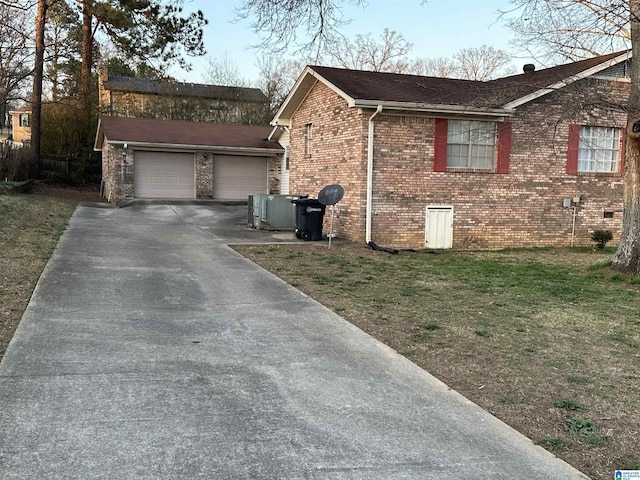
(236, 177)
(164, 175)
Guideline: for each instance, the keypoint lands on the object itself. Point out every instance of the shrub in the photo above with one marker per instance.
(14, 162)
(601, 237)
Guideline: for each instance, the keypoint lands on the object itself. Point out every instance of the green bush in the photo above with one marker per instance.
(601, 237)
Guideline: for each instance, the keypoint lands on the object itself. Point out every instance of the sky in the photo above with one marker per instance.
(436, 28)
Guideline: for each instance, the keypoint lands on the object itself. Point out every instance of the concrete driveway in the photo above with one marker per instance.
(151, 350)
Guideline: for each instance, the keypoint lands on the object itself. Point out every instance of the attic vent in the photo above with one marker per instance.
(529, 67)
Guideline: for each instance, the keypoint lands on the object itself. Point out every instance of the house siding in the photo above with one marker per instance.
(522, 207)
(169, 105)
(19, 133)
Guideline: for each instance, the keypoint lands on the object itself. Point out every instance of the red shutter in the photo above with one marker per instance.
(572, 149)
(441, 131)
(504, 147)
(623, 139)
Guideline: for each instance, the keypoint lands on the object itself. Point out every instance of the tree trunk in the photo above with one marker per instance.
(87, 53)
(627, 258)
(36, 94)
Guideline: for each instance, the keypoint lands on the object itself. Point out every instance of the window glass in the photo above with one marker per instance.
(599, 149)
(471, 144)
(309, 134)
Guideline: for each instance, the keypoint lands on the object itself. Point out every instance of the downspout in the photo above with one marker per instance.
(369, 212)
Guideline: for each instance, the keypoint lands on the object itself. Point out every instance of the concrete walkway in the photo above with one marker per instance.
(151, 350)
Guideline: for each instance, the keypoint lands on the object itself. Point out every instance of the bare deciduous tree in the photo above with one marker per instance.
(483, 63)
(554, 30)
(309, 25)
(15, 54)
(388, 54)
(434, 67)
(224, 71)
(277, 77)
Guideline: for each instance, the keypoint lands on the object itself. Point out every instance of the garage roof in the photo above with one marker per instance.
(182, 135)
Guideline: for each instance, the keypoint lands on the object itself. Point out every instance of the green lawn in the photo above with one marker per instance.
(548, 340)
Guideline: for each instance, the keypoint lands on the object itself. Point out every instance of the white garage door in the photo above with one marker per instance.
(163, 175)
(235, 177)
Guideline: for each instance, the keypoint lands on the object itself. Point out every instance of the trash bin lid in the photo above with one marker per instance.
(307, 202)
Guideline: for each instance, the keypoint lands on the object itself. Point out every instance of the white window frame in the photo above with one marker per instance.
(599, 149)
(24, 120)
(471, 144)
(309, 138)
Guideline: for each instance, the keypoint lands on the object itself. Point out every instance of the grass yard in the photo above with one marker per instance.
(548, 340)
(30, 226)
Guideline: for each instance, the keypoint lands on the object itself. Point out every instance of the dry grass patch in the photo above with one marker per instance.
(548, 340)
(30, 226)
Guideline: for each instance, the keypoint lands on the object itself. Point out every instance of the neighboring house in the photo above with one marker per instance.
(21, 125)
(170, 100)
(153, 158)
(528, 160)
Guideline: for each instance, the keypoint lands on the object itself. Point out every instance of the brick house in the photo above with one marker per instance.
(528, 160)
(21, 125)
(171, 159)
(170, 100)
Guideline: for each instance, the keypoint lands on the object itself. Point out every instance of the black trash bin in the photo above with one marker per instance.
(309, 216)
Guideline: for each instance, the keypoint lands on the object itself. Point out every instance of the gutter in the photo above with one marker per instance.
(265, 152)
(370, 174)
(436, 109)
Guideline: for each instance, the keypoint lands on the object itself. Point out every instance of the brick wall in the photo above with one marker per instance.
(274, 166)
(117, 173)
(339, 147)
(109, 171)
(491, 210)
(204, 175)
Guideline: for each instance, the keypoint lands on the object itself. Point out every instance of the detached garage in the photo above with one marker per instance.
(168, 159)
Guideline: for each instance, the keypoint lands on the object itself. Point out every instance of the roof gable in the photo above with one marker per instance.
(440, 95)
(174, 133)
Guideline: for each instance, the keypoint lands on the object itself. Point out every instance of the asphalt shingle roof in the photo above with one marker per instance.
(176, 132)
(162, 87)
(393, 87)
